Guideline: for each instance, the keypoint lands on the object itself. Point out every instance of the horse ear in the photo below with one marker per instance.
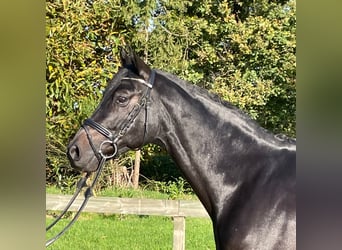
(130, 60)
(142, 68)
(126, 57)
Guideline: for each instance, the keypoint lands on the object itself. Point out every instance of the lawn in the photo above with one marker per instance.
(100, 231)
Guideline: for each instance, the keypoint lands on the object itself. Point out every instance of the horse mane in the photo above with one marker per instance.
(196, 90)
(192, 88)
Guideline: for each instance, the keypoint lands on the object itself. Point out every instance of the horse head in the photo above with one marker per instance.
(119, 123)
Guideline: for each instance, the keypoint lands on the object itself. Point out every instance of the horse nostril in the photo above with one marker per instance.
(74, 153)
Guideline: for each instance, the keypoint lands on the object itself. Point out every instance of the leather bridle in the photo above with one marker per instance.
(112, 140)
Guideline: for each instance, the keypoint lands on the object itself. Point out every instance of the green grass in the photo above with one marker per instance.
(131, 232)
(140, 193)
(98, 231)
(127, 193)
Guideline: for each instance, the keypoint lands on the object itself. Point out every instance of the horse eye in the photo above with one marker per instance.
(121, 100)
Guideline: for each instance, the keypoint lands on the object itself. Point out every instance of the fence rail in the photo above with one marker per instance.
(178, 209)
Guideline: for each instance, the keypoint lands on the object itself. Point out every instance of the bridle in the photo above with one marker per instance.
(112, 140)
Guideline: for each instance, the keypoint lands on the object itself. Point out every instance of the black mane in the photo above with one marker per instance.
(131, 70)
(192, 88)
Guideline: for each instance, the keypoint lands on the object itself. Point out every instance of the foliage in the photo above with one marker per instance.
(81, 39)
(242, 50)
(174, 189)
(79, 62)
(250, 63)
(157, 165)
(58, 172)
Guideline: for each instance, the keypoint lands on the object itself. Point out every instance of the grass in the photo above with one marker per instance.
(131, 232)
(127, 193)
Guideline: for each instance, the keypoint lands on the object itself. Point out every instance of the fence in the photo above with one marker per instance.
(177, 209)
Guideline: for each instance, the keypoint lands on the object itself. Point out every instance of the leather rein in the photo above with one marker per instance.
(112, 140)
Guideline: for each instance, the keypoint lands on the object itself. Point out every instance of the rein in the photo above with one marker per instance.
(112, 140)
(88, 193)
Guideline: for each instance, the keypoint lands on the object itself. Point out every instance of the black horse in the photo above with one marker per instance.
(244, 175)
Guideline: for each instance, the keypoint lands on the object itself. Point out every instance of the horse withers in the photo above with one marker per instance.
(244, 175)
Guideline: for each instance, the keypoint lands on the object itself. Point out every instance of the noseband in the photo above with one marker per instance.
(112, 140)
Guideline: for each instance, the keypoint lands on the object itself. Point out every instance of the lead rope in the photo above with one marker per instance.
(88, 193)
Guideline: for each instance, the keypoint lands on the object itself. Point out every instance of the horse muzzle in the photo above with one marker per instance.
(82, 159)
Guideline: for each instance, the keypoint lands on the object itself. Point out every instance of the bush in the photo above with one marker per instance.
(178, 188)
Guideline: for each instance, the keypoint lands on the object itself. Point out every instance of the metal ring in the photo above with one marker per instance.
(114, 146)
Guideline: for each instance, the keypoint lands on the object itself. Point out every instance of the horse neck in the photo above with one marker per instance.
(193, 125)
(204, 137)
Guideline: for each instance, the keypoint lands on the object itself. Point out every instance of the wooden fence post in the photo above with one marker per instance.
(178, 233)
(136, 170)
